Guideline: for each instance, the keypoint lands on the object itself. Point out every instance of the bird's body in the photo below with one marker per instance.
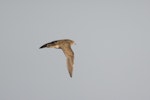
(65, 45)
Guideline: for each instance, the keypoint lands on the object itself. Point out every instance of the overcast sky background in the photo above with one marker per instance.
(112, 51)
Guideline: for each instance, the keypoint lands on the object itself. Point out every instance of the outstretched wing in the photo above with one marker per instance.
(70, 57)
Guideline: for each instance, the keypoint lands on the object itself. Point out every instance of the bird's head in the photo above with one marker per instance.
(72, 42)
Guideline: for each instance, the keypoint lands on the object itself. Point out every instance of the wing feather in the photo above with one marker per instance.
(70, 58)
(70, 66)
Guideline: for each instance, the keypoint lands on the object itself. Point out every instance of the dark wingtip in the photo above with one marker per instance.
(43, 46)
(70, 75)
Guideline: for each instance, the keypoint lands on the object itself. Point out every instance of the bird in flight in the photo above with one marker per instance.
(65, 45)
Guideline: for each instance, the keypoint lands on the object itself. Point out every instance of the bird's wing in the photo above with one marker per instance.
(50, 44)
(70, 57)
(44, 46)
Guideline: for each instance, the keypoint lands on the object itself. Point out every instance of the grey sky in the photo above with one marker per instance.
(112, 51)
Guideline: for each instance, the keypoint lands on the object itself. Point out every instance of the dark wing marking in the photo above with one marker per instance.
(43, 46)
(49, 44)
(53, 42)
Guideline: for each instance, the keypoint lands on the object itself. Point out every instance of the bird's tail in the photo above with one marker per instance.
(43, 46)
